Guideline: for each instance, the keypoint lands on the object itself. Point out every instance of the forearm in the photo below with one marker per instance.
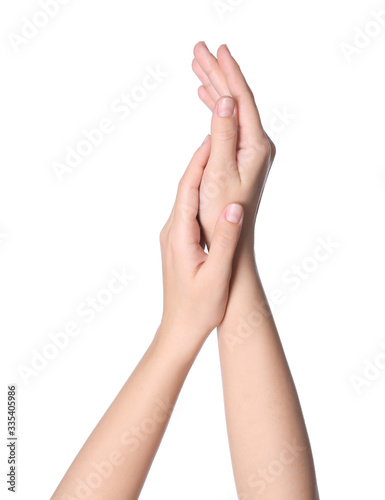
(116, 458)
(269, 445)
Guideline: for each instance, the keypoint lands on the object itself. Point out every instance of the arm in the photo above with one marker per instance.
(116, 458)
(269, 446)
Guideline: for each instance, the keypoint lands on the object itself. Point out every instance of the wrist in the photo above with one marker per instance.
(178, 342)
(244, 258)
(245, 286)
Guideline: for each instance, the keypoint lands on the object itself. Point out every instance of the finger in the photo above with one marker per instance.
(187, 199)
(210, 66)
(206, 98)
(205, 80)
(249, 120)
(224, 242)
(224, 134)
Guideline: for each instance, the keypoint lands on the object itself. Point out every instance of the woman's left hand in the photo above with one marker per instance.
(196, 284)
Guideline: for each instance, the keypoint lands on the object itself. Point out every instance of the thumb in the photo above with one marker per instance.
(224, 132)
(224, 241)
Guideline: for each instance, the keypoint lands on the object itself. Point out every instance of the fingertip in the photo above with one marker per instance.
(225, 107)
(234, 213)
(223, 46)
(200, 44)
(202, 91)
(223, 49)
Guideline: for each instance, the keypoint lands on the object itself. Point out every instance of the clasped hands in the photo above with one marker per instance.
(215, 209)
(216, 205)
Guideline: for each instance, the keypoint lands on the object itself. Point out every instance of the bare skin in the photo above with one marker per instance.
(269, 445)
(116, 458)
(222, 187)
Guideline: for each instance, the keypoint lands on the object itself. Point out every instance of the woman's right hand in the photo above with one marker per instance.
(241, 152)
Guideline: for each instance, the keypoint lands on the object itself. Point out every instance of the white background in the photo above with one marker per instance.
(60, 240)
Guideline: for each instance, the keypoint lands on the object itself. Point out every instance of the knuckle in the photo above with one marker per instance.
(273, 149)
(226, 135)
(264, 148)
(182, 184)
(224, 240)
(187, 211)
(163, 235)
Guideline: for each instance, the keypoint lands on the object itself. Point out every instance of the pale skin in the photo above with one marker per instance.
(263, 413)
(222, 188)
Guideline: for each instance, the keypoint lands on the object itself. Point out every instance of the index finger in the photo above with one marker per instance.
(187, 199)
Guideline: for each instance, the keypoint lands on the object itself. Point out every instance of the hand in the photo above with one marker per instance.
(241, 152)
(196, 284)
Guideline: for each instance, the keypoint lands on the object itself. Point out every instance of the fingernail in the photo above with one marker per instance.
(207, 138)
(234, 213)
(226, 107)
